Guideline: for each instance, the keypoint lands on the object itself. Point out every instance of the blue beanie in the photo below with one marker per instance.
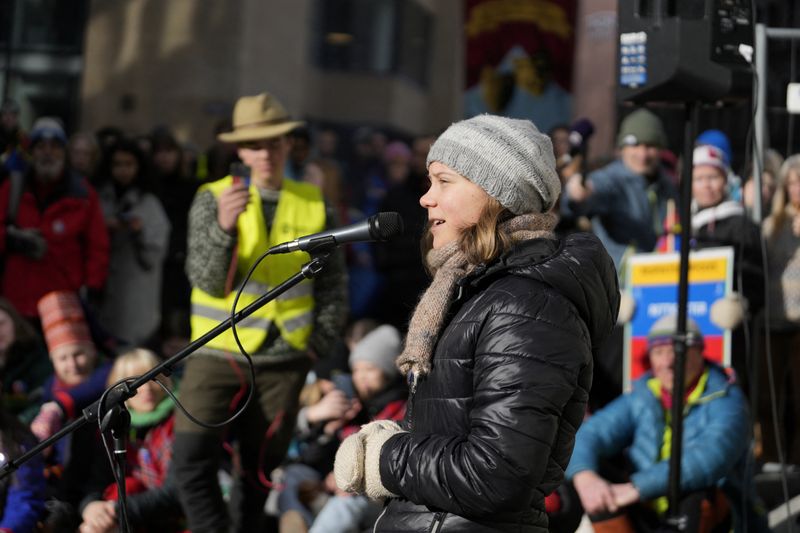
(718, 139)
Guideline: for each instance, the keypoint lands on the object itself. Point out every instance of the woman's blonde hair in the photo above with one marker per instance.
(134, 363)
(484, 241)
(781, 198)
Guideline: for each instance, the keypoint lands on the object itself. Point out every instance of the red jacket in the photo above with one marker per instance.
(148, 460)
(71, 221)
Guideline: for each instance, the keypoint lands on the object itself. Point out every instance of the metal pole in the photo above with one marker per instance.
(674, 518)
(9, 50)
(782, 33)
(760, 95)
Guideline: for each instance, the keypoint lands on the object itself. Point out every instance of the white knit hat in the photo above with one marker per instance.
(47, 128)
(380, 347)
(710, 155)
(508, 158)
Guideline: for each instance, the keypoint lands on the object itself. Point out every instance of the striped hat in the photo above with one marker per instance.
(63, 320)
(508, 158)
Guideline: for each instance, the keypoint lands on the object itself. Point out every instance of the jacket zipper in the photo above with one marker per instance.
(410, 402)
(375, 527)
(438, 521)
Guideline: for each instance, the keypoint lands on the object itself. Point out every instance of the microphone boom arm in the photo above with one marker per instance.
(120, 394)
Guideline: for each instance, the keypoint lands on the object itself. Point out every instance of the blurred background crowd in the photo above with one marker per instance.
(106, 117)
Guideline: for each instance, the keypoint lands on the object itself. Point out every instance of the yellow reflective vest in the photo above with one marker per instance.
(300, 211)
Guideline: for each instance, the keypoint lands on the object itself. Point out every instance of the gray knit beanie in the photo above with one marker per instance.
(381, 346)
(663, 330)
(508, 158)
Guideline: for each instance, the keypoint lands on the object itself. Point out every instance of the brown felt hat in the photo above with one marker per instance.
(258, 117)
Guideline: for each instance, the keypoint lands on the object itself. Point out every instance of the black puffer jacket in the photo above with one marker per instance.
(491, 428)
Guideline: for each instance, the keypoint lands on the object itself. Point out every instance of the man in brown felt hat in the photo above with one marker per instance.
(231, 223)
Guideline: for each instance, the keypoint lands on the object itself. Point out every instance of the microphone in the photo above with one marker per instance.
(380, 227)
(579, 134)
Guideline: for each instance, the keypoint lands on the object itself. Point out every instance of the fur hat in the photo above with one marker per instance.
(258, 117)
(381, 346)
(508, 158)
(642, 127)
(63, 320)
(664, 329)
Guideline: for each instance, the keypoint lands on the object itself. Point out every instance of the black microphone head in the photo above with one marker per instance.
(580, 131)
(385, 226)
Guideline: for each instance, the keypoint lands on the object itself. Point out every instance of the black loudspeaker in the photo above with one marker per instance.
(680, 50)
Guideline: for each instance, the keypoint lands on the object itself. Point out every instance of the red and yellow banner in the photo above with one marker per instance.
(519, 54)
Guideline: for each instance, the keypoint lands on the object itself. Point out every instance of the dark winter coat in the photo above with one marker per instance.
(491, 428)
(728, 225)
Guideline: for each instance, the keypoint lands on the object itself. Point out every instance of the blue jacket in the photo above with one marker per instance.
(25, 497)
(716, 439)
(626, 209)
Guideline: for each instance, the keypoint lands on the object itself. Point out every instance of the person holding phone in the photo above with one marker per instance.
(230, 225)
(139, 231)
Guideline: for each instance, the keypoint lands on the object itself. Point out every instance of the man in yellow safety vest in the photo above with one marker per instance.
(231, 223)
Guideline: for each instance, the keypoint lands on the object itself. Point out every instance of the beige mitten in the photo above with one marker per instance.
(348, 467)
(627, 306)
(728, 312)
(376, 434)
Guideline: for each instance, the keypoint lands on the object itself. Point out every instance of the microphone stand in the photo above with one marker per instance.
(118, 423)
(118, 420)
(676, 520)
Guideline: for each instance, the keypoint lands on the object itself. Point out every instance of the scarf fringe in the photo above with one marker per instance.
(450, 265)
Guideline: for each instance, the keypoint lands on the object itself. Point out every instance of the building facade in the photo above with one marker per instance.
(394, 64)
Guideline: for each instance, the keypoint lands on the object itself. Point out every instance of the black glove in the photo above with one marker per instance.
(95, 296)
(26, 241)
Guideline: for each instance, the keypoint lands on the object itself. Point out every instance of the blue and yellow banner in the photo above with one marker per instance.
(653, 283)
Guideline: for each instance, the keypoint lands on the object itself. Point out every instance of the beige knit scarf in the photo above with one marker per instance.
(448, 265)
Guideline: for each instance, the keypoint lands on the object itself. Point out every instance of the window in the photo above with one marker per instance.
(51, 24)
(378, 36)
(413, 43)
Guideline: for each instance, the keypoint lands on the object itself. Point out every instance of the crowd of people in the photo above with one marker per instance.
(450, 381)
